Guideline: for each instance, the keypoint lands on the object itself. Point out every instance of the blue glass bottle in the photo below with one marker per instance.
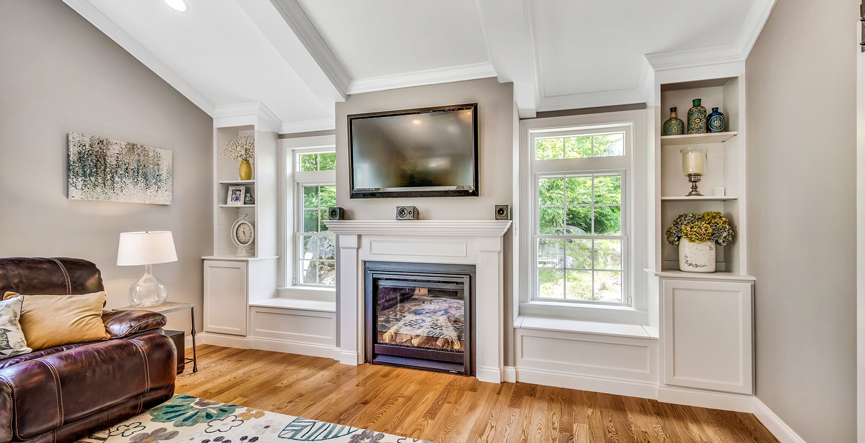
(716, 121)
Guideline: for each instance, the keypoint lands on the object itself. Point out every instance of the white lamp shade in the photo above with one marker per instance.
(145, 248)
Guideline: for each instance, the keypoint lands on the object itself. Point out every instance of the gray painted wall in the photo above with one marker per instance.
(801, 82)
(497, 125)
(59, 74)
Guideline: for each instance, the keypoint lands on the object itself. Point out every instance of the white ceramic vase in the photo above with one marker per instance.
(696, 257)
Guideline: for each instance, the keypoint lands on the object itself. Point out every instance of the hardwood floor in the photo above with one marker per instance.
(448, 408)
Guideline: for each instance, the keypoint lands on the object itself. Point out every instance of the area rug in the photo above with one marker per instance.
(194, 420)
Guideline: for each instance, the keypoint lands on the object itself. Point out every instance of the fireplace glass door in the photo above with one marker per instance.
(419, 320)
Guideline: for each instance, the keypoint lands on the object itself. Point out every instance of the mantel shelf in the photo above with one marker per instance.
(449, 228)
(697, 139)
(700, 198)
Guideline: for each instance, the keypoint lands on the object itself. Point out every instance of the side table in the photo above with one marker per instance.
(165, 308)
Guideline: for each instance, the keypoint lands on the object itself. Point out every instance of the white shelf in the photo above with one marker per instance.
(237, 182)
(236, 206)
(697, 139)
(300, 305)
(703, 198)
(235, 258)
(718, 275)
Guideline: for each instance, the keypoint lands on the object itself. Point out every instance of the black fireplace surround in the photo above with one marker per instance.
(420, 315)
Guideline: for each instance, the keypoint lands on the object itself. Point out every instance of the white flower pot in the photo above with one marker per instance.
(696, 257)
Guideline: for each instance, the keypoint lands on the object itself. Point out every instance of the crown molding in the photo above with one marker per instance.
(299, 22)
(85, 9)
(251, 113)
(325, 124)
(720, 55)
(421, 78)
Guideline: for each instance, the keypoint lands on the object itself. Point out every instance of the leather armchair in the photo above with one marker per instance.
(64, 393)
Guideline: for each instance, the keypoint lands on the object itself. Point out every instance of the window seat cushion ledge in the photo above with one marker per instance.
(584, 327)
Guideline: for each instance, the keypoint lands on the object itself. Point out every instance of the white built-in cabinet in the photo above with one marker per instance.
(225, 297)
(705, 321)
(708, 338)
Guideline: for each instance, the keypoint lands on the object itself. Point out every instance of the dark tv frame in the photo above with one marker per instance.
(474, 192)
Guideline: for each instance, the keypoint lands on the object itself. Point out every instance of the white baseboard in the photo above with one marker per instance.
(269, 344)
(488, 375)
(706, 399)
(510, 374)
(774, 423)
(587, 383)
(348, 358)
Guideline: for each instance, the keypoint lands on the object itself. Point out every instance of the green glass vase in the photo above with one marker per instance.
(697, 118)
(674, 126)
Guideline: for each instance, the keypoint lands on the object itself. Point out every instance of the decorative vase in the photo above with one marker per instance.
(245, 170)
(674, 126)
(697, 118)
(717, 122)
(696, 257)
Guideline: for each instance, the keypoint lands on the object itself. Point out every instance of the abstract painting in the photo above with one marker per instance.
(110, 170)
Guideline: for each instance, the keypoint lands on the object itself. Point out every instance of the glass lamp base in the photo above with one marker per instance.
(148, 291)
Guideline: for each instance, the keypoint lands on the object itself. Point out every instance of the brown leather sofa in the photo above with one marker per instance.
(66, 392)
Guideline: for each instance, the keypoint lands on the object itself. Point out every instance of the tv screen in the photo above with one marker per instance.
(428, 152)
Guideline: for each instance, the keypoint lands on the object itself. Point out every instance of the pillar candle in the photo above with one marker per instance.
(693, 162)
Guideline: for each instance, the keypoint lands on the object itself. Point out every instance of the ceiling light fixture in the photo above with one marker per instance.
(177, 5)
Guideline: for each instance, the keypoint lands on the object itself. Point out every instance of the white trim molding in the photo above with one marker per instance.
(85, 9)
(305, 31)
(251, 113)
(266, 344)
(420, 78)
(448, 228)
(325, 124)
(774, 424)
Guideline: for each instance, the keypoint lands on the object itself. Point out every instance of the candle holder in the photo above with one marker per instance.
(694, 166)
(694, 179)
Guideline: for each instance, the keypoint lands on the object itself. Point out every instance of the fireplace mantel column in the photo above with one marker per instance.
(490, 295)
(349, 286)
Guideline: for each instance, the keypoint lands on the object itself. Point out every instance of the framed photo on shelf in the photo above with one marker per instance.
(236, 195)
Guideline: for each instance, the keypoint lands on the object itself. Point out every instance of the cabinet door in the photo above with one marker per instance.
(225, 297)
(708, 335)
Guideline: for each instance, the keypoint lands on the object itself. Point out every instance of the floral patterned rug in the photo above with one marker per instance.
(194, 420)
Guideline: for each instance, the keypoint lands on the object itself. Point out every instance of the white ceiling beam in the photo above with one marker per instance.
(506, 36)
(85, 9)
(301, 46)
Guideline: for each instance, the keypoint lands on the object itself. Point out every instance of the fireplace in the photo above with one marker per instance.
(420, 316)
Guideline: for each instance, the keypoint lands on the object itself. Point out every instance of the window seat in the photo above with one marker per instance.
(296, 304)
(586, 327)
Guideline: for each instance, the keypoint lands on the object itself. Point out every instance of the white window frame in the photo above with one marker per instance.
(632, 166)
(291, 220)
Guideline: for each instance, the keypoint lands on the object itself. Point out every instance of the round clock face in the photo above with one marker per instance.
(243, 233)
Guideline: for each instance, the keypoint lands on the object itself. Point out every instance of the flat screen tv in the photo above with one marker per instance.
(430, 152)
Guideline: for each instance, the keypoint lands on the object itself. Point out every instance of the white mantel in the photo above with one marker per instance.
(472, 242)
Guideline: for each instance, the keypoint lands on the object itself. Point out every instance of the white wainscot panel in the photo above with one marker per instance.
(418, 249)
(310, 327)
(614, 365)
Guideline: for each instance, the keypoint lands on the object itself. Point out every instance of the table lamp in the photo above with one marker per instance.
(146, 248)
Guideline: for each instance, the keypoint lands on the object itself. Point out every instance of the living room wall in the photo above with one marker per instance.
(498, 128)
(60, 74)
(801, 83)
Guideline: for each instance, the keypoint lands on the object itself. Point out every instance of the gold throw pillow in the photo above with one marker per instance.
(54, 320)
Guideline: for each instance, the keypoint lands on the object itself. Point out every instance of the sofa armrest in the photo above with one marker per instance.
(120, 324)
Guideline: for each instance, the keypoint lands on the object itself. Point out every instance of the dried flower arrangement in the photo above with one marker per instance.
(241, 149)
(708, 226)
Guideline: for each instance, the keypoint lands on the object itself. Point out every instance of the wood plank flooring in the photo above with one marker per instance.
(448, 408)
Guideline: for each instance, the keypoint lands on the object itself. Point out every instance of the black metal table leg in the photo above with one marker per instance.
(194, 357)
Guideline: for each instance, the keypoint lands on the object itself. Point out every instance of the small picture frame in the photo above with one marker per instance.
(236, 195)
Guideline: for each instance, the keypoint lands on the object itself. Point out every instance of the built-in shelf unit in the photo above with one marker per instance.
(705, 320)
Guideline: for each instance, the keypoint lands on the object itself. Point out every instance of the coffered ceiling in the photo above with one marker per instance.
(297, 58)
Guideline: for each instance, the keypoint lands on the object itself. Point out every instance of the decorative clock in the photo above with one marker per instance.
(242, 234)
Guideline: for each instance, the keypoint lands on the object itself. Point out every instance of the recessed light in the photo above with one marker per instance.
(417, 122)
(177, 5)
